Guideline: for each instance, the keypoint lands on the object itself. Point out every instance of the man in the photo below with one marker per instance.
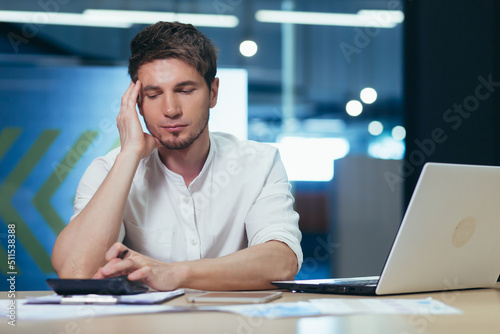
(189, 208)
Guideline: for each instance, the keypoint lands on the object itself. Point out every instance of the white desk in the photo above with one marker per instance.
(481, 309)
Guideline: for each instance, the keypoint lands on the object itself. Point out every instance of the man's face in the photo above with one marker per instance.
(175, 102)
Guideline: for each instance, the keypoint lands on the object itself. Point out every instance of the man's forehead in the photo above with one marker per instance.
(147, 86)
(170, 69)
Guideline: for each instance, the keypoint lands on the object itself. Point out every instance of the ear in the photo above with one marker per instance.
(214, 92)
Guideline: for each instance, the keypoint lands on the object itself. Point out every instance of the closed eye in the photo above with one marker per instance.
(186, 91)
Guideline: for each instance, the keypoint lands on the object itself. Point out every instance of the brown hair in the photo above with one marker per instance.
(165, 40)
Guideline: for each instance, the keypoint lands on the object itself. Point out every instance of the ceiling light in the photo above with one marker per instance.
(398, 132)
(248, 48)
(149, 17)
(354, 108)
(368, 95)
(375, 128)
(364, 18)
(395, 16)
(116, 18)
(70, 19)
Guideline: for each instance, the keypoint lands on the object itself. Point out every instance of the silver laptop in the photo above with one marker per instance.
(449, 238)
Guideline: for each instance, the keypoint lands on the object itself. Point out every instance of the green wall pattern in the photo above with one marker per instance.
(41, 200)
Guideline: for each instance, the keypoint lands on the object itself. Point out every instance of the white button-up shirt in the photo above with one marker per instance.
(240, 198)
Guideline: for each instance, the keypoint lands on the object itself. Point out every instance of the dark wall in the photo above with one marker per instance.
(452, 84)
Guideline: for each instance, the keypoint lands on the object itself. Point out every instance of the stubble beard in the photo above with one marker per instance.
(177, 143)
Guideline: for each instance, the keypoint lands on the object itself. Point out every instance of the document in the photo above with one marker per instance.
(313, 307)
(269, 311)
(341, 306)
(347, 306)
(28, 312)
(56, 307)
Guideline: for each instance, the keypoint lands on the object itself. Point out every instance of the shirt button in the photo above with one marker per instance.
(187, 200)
(194, 242)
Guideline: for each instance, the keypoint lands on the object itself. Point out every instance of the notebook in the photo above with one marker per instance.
(449, 238)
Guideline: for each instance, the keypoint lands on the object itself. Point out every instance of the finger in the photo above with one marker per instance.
(117, 267)
(142, 274)
(129, 98)
(127, 93)
(133, 94)
(98, 274)
(115, 250)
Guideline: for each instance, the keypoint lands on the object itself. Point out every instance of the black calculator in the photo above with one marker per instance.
(118, 285)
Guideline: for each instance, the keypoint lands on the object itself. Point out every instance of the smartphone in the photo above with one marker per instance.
(118, 285)
(248, 297)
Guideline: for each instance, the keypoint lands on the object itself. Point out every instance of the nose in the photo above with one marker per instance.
(171, 107)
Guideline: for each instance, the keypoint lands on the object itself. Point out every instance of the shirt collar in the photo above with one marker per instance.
(177, 178)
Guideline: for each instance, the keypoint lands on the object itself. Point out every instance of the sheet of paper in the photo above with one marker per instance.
(270, 311)
(49, 307)
(150, 297)
(340, 306)
(313, 307)
(346, 306)
(25, 312)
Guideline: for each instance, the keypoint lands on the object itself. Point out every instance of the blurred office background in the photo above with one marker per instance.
(356, 94)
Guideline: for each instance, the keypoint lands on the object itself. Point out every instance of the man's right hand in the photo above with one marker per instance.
(133, 139)
(78, 250)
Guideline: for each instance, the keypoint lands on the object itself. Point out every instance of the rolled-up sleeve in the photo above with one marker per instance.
(90, 183)
(272, 216)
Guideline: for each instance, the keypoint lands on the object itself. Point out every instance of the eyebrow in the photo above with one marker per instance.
(180, 84)
(151, 88)
(186, 83)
